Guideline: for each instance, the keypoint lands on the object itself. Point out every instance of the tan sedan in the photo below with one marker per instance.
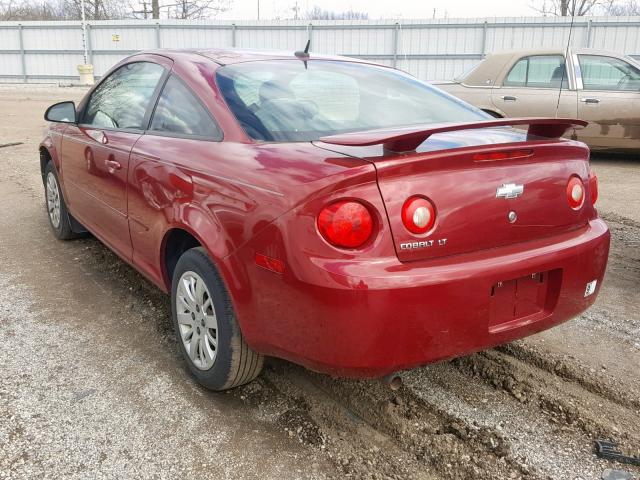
(598, 86)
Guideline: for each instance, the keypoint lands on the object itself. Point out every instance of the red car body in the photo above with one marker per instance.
(475, 281)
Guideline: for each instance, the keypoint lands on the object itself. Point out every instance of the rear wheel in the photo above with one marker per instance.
(208, 334)
(56, 207)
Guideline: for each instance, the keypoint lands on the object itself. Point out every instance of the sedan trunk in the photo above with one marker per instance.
(484, 194)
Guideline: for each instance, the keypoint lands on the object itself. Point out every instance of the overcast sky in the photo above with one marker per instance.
(270, 9)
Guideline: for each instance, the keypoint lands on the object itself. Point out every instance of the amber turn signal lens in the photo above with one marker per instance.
(346, 224)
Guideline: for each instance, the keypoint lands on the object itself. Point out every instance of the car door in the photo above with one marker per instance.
(182, 140)
(532, 86)
(95, 153)
(610, 101)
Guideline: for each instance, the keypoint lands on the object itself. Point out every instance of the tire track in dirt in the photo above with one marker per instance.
(370, 431)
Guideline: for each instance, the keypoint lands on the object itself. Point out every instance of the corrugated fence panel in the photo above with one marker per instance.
(47, 65)
(9, 39)
(10, 64)
(430, 49)
(123, 37)
(176, 37)
(44, 38)
(103, 62)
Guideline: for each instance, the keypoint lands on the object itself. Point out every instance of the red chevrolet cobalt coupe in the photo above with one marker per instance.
(338, 214)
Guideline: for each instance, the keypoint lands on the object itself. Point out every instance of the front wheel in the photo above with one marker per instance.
(208, 334)
(57, 212)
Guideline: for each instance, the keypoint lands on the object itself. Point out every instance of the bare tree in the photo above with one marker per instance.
(628, 7)
(194, 9)
(110, 9)
(30, 10)
(97, 9)
(317, 13)
(566, 8)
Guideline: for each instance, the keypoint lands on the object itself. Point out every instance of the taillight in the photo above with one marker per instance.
(418, 214)
(346, 224)
(502, 155)
(575, 193)
(593, 186)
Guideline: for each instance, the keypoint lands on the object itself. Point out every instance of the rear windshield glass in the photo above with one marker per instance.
(288, 101)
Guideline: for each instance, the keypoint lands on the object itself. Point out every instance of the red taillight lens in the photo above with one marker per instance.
(418, 215)
(502, 155)
(593, 186)
(575, 193)
(345, 224)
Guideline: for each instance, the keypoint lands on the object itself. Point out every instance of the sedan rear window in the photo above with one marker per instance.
(292, 100)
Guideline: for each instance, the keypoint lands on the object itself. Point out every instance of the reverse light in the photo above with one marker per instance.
(575, 193)
(593, 186)
(418, 214)
(346, 224)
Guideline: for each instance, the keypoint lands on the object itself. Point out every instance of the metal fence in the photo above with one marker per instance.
(429, 49)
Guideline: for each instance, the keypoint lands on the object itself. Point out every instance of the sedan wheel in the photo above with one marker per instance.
(59, 217)
(206, 327)
(53, 200)
(197, 320)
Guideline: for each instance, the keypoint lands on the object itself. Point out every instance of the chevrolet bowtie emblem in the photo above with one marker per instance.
(509, 190)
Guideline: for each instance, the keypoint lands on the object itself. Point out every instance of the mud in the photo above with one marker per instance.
(92, 384)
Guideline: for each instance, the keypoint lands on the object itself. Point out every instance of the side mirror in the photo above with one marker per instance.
(63, 112)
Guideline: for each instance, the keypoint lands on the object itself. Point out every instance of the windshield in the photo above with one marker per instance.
(288, 101)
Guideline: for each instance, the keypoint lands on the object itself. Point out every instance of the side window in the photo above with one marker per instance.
(518, 75)
(179, 112)
(543, 71)
(122, 99)
(608, 73)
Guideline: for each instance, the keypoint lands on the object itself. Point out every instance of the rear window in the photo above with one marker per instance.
(288, 101)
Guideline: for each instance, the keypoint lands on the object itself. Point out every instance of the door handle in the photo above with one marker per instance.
(112, 165)
(590, 100)
(509, 98)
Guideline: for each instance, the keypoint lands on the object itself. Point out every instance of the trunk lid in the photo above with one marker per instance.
(469, 214)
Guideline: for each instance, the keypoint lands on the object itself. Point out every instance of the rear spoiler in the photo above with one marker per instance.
(407, 139)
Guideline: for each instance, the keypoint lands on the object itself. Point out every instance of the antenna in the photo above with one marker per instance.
(566, 58)
(304, 55)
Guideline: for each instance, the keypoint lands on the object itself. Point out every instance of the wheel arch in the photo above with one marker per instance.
(45, 158)
(175, 242)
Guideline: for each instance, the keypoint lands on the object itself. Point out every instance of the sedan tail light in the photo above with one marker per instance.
(593, 186)
(418, 214)
(346, 224)
(575, 193)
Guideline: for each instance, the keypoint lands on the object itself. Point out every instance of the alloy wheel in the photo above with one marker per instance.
(197, 320)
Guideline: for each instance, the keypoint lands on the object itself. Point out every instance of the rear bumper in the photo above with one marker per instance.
(367, 319)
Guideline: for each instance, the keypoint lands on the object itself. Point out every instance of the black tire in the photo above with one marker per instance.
(235, 363)
(63, 230)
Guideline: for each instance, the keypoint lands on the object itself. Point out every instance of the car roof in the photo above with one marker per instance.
(227, 56)
(488, 71)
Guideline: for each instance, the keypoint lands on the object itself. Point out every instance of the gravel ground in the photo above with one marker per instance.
(92, 386)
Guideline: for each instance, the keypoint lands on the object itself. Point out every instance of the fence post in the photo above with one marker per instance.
(233, 35)
(309, 31)
(588, 45)
(89, 47)
(396, 32)
(23, 61)
(158, 40)
(484, 38)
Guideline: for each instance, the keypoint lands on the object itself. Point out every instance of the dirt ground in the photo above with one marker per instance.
(92, 384)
